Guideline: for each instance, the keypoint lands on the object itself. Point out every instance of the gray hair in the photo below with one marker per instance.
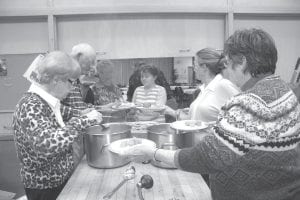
(103, 64)
(57, 64)
(85, 55)
(257, 46)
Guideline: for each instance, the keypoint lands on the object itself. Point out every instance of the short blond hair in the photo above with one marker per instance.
(57, 64)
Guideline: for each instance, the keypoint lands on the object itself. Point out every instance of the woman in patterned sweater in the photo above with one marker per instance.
(104, 92)
(43, 140)
(253, 151)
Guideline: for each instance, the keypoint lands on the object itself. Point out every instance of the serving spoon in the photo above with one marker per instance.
(128, 175)
(145, 182)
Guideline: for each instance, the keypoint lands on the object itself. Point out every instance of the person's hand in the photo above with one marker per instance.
(169, 111)
(85, 111)
(139, 153)
(185, 111)
(109, 105)
(182, 114)
(94, 115)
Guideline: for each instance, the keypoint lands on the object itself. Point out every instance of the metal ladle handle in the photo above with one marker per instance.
(140, 192)
(110, 194)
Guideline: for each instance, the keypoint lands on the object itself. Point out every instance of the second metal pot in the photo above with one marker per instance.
(111, 115)
(164, 137)
(167, 138)
(97, 140)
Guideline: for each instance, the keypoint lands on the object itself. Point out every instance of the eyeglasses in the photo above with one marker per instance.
(227, 62)
(73, 82)
(221, 57)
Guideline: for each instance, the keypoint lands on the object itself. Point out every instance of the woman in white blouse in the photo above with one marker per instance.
(215, 90)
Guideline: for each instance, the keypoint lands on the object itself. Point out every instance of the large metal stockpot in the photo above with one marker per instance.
(167, 138)
(97, 140)
(111, 115)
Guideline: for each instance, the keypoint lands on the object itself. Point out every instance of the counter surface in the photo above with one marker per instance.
(88, 183)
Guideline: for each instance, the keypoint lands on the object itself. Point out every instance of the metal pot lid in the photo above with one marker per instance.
(112, 129)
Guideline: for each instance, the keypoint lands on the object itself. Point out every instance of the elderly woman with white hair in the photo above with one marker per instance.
(104, 91)
(43, 140)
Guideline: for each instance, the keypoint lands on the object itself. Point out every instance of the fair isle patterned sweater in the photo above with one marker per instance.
(254, 151)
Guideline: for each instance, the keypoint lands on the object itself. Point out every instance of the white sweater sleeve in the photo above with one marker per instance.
(162, 96)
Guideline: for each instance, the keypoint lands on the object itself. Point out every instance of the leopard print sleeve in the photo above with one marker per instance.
(41, 130)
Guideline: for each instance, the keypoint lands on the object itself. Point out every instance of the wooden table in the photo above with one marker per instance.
(88, 183)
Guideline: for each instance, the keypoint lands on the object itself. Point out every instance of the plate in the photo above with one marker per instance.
(152, 108)
(104, 109)
(122, 106)
(189, 125)
(120, 146)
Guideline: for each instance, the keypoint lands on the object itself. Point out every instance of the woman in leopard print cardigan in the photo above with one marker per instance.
(43, 140)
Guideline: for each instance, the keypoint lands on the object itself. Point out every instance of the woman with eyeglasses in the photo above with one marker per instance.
(214, 91)
(43, 140)
(253, 150)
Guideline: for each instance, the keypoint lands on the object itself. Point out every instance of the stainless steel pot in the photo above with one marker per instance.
(97, 140)
(167, 138)
(164, 137)
(111, 115)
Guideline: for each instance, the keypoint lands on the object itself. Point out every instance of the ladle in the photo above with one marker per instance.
(128, 175)
(145, 182)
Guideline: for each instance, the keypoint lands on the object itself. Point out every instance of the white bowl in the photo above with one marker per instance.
(120, 146)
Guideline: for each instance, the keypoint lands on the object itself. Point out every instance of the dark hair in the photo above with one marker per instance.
(257, 46)
(213, 60)
(139, 64)
(147, 68)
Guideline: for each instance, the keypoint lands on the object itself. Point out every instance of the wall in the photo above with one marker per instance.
(285, 30)
(14, 85)
(136, 29)
(23, 35)
(142, 35)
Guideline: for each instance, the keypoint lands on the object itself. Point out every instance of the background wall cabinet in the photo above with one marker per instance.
(142, 35)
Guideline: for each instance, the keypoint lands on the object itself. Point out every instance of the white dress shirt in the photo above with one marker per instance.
(212, 97)
(53, 102)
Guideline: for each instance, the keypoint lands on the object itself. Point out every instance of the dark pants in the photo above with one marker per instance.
(44, 194)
